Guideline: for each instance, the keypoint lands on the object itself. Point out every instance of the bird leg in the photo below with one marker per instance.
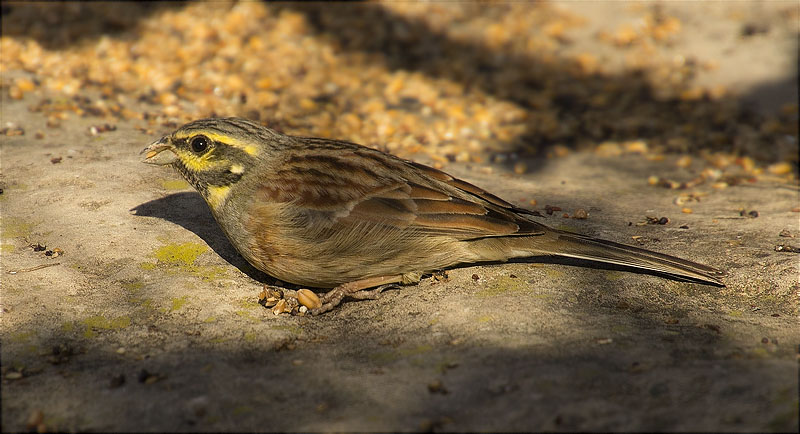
(282, 300)
(357, 289)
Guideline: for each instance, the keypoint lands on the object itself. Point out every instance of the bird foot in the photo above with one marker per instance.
(335, 296)
(304, 301)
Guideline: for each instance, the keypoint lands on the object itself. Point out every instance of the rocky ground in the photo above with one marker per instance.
(124, 308)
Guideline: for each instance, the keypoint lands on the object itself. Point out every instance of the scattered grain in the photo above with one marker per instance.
(308, 299)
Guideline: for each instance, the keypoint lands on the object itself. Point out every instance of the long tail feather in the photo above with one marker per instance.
(593, 249)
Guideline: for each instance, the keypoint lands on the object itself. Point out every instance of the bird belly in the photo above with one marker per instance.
(324, 256)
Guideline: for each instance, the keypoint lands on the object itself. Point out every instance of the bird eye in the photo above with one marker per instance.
(199, 143)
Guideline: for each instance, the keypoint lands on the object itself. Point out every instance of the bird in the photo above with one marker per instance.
(353, 220)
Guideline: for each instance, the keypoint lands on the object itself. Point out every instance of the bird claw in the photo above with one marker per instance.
(335, 296)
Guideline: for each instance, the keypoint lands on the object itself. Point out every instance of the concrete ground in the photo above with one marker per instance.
(147, 288)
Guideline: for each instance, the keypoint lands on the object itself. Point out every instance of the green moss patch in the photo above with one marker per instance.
(180, 254)
(99, 322)
(12, 227)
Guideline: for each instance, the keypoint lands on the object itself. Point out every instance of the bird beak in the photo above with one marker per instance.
(154, 154)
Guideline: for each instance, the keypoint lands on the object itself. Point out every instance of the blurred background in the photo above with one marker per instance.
(471, 82)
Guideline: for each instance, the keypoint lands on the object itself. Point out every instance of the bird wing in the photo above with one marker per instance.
(343, 184)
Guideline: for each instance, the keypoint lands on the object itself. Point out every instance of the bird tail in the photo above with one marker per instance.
(583, 247)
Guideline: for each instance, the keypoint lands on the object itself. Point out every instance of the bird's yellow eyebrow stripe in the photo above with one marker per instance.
(228, 140)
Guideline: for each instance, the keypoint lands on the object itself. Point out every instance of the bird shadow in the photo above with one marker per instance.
(189, 210)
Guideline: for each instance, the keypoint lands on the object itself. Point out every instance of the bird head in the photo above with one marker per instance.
(212, 154)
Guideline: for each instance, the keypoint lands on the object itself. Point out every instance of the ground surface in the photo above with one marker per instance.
(145, 318)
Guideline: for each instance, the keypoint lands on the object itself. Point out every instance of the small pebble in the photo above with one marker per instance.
(436, 386)
(787, 248)
(580, 213)
(551, 209)
(780, 168)
(35, 419)
(117, 381)
(684, 161)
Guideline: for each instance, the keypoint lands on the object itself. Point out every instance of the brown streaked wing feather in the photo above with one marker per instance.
(496, 209)
(419, 192)
(463, 185)
(455, 217)
(472, 225)
(451, 206)
(452, 216)
(396, 212)
(330, 179)
(353, 184)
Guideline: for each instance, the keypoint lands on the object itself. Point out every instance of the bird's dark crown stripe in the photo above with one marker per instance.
(345, 166)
